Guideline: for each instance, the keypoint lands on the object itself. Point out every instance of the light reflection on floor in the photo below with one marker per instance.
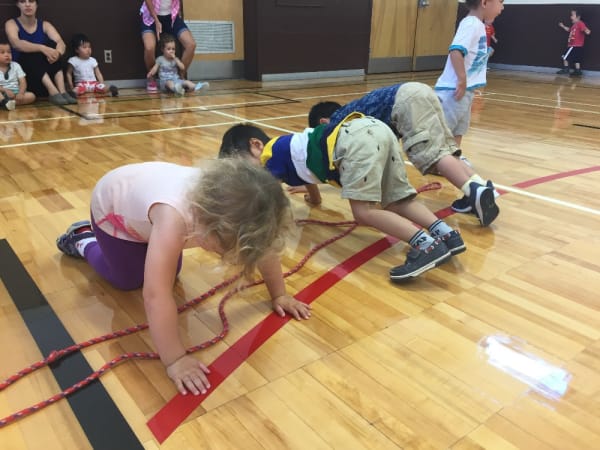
(506, 354)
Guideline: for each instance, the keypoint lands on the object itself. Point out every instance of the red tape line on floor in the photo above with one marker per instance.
(556, 176)
(181, 406)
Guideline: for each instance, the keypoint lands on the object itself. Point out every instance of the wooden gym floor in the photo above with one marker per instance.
(498, 349)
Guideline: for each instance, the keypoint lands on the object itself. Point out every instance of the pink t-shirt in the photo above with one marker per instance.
(123, 197)
(149, 20)
(577, 35)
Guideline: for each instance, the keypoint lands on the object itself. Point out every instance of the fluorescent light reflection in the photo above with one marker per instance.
(505, 354)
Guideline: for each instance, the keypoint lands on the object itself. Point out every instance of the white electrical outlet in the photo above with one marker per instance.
(108, 56)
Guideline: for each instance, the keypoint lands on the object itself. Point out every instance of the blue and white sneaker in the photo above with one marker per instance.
(483, 203)
(463, 205)
(66, 242)
(454, 242)
(201, 85)
(420, 261)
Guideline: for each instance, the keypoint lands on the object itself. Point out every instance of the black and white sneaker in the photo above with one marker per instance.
(483, 203)
(461, 205)
(420, 261)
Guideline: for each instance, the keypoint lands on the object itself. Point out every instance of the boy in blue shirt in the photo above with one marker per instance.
(361, 154)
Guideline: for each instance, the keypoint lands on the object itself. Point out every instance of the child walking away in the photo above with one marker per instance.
(466, 66)
(574, 53)
(83, 73)
(13, 86)
(168, 66)
(413, 112)
(363, 156)
(143, 216)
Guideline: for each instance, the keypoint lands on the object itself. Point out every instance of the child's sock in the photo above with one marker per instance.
(439, 228)
(82, 244)
(466, 188)
(421, 240)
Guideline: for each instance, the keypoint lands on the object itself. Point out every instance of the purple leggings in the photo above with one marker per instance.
(118, 261)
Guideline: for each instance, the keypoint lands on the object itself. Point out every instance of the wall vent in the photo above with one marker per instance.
(212, 36)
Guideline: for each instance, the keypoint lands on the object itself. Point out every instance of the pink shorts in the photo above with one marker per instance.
(90, 86)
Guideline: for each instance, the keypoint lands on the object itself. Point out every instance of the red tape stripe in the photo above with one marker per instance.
(181, 406)
(556, 176)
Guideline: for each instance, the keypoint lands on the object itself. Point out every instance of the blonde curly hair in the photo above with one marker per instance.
(244, 207)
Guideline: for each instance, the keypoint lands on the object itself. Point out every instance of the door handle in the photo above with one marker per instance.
(423, 3)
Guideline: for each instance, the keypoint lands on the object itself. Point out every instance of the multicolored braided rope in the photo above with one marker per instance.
(58, 354)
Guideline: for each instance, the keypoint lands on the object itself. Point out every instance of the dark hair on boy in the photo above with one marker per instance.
(322, 110)
(78, 40)
(236, 141)
(472, 4)
(166, 38)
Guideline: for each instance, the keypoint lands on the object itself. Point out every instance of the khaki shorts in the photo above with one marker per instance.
(417, 115)
(367, 155)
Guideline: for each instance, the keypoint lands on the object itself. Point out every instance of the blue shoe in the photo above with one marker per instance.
(483, 203)
(420, 261)
(201, 85)
(454, 242)
(66, 242)
(491, 186)
(462, 205)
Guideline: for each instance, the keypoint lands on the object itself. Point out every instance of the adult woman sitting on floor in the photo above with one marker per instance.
(38, 48)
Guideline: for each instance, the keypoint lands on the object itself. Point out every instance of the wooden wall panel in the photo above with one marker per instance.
(435, 28)
(231, 10)
(393, 24)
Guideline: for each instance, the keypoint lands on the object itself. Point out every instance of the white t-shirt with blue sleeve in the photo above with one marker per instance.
(470, 40)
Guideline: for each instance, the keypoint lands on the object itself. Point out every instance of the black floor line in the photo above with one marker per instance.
(586, 126)
(99, 417)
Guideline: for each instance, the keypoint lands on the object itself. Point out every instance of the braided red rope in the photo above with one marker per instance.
(58, 354)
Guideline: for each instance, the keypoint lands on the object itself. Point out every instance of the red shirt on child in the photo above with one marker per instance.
(576, 34)
(489, 32)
